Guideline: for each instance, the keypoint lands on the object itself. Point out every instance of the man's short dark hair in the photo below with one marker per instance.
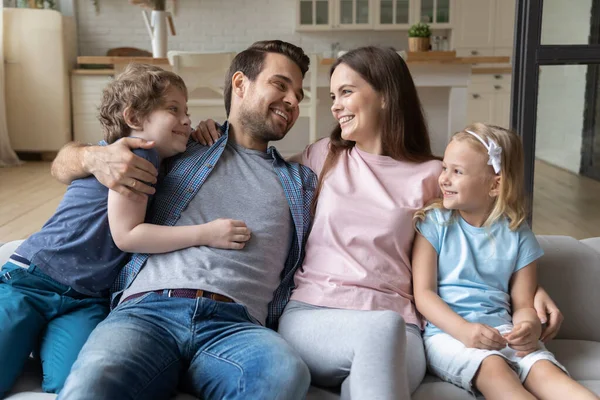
(251, 62)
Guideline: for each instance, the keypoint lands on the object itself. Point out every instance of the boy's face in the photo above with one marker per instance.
(169, 125)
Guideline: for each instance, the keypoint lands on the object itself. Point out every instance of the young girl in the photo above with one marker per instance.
(54, 288)
(474, 275)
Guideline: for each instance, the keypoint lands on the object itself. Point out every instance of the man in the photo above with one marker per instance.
(197, 315)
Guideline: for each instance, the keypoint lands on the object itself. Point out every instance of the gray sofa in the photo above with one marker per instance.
(570, 272)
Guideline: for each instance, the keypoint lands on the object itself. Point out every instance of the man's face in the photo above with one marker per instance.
(269, 107)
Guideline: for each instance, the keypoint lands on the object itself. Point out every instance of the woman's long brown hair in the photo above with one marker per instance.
(404, 133)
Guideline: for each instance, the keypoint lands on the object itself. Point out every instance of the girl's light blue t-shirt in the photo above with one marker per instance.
(475, 265)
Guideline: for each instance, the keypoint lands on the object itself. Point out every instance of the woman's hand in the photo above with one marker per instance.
(548, 313)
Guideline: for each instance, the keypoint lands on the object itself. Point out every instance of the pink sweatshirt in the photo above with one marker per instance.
(359, 249)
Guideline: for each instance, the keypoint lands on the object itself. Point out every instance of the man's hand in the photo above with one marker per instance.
(206, 133)
(524, 337)
(548, 313)
(481, 336)
(117, 168)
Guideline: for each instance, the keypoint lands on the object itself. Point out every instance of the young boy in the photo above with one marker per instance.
(54, 289)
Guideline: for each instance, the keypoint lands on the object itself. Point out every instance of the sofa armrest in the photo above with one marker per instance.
(570, 273)
(7, 249)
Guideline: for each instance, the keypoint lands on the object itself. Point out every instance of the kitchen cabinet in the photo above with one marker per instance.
(86, 90)
(484, 27)
(326, 15)
(489, 99)
(38, 50)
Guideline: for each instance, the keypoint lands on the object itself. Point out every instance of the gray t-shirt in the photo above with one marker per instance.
(243, 186)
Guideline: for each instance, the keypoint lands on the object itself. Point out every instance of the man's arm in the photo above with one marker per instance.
(115, 166)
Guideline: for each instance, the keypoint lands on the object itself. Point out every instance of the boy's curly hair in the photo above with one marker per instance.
(142, 88)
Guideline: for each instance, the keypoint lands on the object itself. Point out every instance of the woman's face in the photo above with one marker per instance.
(357, 107)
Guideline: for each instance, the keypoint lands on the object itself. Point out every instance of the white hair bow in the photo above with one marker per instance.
(494, 151)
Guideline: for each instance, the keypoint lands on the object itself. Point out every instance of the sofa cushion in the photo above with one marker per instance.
(570, 272)
(580, 357)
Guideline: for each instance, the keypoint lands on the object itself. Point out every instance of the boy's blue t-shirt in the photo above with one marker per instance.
(75, 246)
(475, 265)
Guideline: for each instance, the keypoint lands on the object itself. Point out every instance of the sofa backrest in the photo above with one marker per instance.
(570, 273)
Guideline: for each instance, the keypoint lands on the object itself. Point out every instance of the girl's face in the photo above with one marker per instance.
(357, 108)
(169, 125)
(468, 184)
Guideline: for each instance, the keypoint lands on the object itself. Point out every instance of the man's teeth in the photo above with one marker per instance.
(281, 113)
(346, 119)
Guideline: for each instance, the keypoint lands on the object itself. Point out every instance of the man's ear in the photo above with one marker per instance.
(495, 190)
(131, 119)
(238, 84)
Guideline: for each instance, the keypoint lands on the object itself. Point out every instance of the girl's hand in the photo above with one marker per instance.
(481, 336)
(548, 313)
(227, 234)
(524, 337)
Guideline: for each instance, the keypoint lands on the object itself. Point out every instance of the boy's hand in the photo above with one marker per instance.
(206, 133)
(227, 234)
(481, 336)
(524, 337)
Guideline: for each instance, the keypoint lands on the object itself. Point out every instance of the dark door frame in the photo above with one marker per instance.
(528, 55)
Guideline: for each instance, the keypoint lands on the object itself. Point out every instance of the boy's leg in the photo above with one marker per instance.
(546, 381)
(133, 353)
(239, 359)
(497, 380)
(64, 337)
(20, 323)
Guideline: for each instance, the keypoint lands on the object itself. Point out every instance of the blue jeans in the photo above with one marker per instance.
(39, 314)
(150, 344)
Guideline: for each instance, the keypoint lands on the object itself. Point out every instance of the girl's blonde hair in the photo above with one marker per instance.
(510, 201)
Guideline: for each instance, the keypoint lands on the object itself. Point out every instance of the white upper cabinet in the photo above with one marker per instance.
(323, 15)
(314, 15)
(484, 27)
(393, 14)
(434, 12)
(504, 30)
(474, 25)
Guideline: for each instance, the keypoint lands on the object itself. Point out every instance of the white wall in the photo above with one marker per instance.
(213, 26)
(561, 96)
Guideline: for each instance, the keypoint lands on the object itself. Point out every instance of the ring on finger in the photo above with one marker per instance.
(133, 183)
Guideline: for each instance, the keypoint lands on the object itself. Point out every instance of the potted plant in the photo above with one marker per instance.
(418, 37)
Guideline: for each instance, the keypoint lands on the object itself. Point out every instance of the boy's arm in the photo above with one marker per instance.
(527, 327)
(131, 234)
(429, 303)
(115, 166)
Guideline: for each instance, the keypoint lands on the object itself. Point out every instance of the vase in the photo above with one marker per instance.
(157, 29)
(418, 44)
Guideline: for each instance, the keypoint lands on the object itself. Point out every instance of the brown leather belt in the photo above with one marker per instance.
(185, 293)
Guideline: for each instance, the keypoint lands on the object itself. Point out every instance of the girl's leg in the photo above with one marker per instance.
(496, 380)
(64, 337)
(367, 346)
(546, 381)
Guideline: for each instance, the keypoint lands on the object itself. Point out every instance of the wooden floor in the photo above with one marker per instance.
(564, 203)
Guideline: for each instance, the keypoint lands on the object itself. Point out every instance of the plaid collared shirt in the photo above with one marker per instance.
(186, 175)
